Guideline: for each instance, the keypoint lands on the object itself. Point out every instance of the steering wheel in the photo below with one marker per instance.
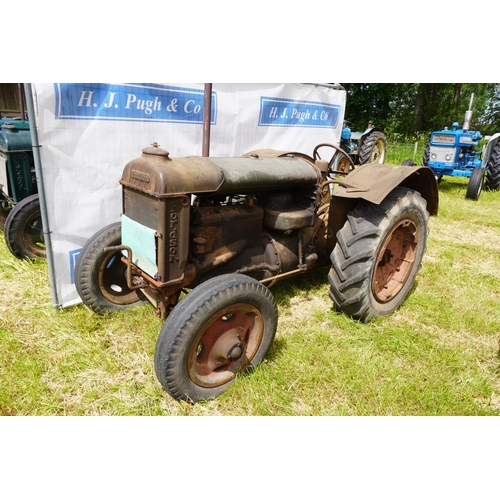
(345, 163)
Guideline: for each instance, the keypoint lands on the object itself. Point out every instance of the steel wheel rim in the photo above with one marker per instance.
(113, 280)
(343, 165)
(226, 345)
(395, 260)
(32, 235)
(377, 152)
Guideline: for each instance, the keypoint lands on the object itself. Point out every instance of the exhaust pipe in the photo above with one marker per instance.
(468, 115)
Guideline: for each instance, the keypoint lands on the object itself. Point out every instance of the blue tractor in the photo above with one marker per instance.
(455, 153)
(369, 146)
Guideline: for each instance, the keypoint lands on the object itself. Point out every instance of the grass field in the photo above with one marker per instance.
(437, 355)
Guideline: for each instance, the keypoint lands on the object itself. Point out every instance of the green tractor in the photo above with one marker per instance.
(20, 216)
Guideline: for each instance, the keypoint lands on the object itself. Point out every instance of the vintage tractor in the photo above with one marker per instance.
(221, 231)
(20, 216)
(455, 153)
(369, 146)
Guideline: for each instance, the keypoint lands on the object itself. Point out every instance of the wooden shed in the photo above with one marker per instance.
(12, 100)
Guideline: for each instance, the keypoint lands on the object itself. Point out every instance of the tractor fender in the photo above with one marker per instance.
(489, 148)
(373, 182)
(367, 132)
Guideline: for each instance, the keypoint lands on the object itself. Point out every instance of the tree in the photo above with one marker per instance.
(413, 109)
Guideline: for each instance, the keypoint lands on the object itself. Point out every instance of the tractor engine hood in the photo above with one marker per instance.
(156, 174)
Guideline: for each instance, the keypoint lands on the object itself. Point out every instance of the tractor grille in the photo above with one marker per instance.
(441, 153)
(141, 208)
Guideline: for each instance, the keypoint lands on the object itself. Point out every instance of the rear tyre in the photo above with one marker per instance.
(475, 185)
(492, 182)
(23, 229)
(224, 326)
(100, 278)
(373, 149)
(408, 163)
(427, 155)
(378, 255)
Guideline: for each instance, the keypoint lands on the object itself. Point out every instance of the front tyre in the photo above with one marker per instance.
(378, 254)
(475, 185)
(220, 328)
(100, 278)
(427, 155)
(23, 229)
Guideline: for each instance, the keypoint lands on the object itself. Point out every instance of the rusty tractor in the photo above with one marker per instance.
(204, 238)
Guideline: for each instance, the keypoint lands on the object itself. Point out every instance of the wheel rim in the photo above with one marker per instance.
(226, 345)
(32, 235)
(377, 155)
(343, 165)
(113, 280)
(395, 260)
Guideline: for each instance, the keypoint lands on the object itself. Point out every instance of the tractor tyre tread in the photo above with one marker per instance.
(367, 147)
(353, 258)
(492, 182)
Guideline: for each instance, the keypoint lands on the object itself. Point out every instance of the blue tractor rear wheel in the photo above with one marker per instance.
(492, 182)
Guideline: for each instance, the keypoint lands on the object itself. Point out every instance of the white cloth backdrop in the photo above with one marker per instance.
(89, 131)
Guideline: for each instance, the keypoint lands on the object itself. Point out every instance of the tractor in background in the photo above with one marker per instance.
(369, 146)
(456, 153)
(20, 215)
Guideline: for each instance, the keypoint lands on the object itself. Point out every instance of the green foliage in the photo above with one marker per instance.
(407, 109)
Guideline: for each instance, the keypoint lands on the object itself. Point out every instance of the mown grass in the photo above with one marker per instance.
(437, 355)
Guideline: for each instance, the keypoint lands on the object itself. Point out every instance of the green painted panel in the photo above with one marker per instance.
(142, 241)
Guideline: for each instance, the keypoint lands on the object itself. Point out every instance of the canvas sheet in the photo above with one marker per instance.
(89, 131)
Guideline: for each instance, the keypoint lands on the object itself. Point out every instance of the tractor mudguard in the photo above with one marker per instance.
(370, 130)
(374, 181)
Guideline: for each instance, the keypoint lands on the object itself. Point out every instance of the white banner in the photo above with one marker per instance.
(89, 131)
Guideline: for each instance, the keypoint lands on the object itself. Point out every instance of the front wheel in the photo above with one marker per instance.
(475, 185)
(378, 254)
(222, 327)
(24, 231)
(427, 155)
(100, 277)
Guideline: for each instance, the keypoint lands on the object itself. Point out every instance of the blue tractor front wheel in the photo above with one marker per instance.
(475, 185)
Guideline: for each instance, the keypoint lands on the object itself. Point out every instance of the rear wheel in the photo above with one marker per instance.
(492, 182)
(373, 149)
(100, 277)
(23, 229)
(378, 255)
(408, 163)
(427, 155)
(224, 326)
(475, 185)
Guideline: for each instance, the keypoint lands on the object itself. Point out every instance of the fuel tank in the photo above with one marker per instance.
(158, 175)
